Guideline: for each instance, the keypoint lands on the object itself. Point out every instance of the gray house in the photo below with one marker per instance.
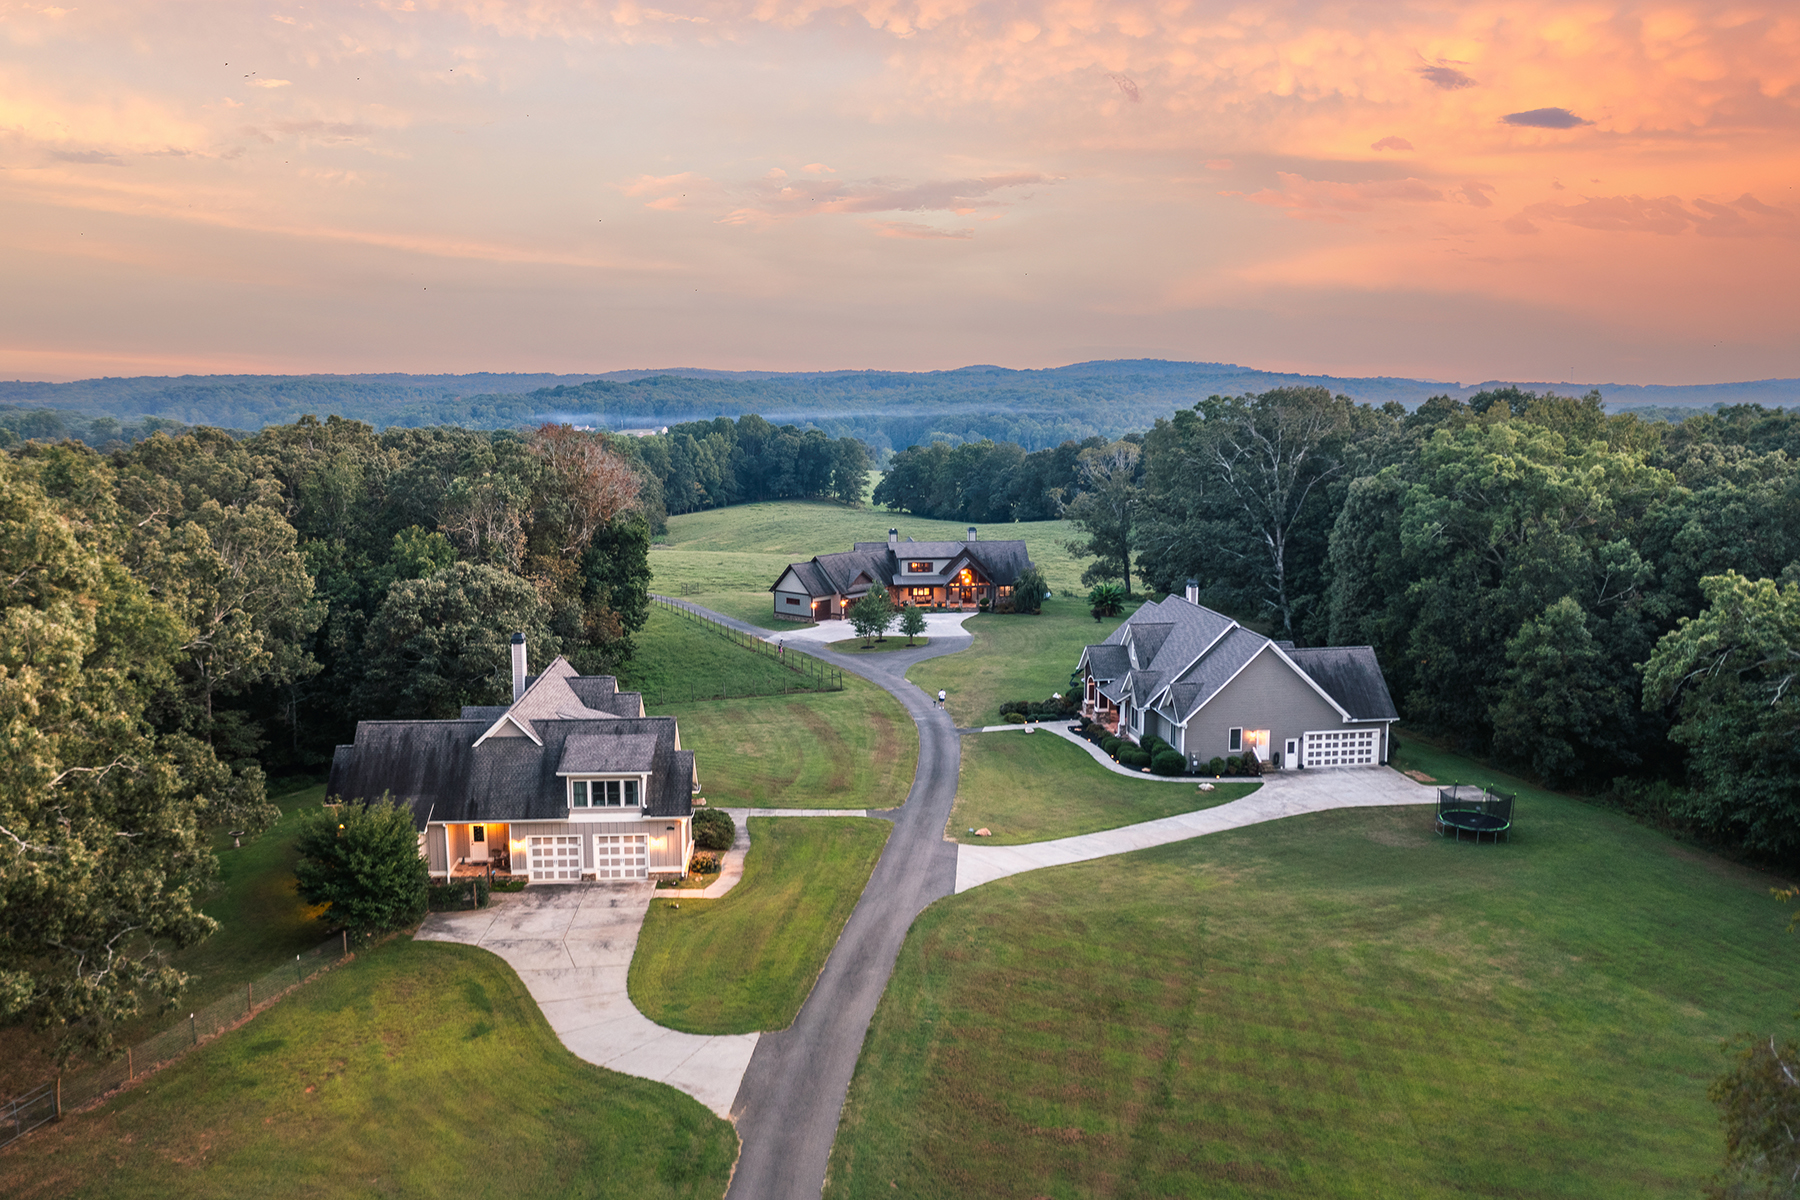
(964, 574)
(570, 781)
(1211, 688)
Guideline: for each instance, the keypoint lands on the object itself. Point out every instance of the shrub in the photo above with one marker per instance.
(362, 861)
(1234, 765)
(1028, 591)
(1154, 745)
(705, 862)
(1012, 718)
(1216, 766)
(1112, 744)
(457, 895)
(1252, 765)
(714, 829)
(1133, 757)
(1168, 762)
(510, 885)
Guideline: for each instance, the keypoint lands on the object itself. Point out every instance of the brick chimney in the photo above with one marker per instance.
(518, 665)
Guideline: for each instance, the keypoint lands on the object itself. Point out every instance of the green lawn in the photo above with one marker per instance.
(731, 556)
(676, 653)
(851, 749)
(1035, 787)
(417, 1070)
(1013, 658)
(1333, 1005)
(746, 962)
(262, 922)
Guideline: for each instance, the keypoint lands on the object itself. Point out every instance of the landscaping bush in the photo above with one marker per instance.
(1253, 766)
(714, 829)
(1216, 766)
(1133, 757)
(1112, 745)
(510, 885)
(457, 895)
(1154, 745)
(1168, 762)
(1012, 718)
(705, 862)
(1234, 765)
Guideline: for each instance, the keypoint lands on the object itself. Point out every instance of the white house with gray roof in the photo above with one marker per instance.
(570, 781)
(966, 574)
(1212, 689)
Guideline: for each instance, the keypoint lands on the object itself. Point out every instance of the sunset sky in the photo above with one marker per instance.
(1461, 191)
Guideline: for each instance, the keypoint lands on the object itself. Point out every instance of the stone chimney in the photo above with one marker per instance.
(518, 665)
(971, 533)
(893, 537)
(1193, 591)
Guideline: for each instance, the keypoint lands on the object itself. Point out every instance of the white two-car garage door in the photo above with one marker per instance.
(1342, 748)
(555, 859)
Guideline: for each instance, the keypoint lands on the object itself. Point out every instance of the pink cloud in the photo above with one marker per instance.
(916, 231)
(1666, 215)
(1392, 143)
(777, 197)
(1327, 200)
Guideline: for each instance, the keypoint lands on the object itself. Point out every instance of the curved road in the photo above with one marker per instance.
(788, 1105)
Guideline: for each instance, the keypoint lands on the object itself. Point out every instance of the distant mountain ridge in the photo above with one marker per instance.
(1035, 407)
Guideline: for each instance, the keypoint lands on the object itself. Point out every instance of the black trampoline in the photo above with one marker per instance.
(1480, 812)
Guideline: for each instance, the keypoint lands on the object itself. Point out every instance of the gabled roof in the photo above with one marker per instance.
(1187, 653)
(848, 571)
(457, 770)
(1351, 676)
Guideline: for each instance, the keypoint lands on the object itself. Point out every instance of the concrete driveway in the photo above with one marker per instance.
(937, 625)
(572, 945)
(1284, 794)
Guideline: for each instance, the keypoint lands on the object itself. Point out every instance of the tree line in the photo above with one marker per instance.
(1597, 600)
(711, 464)
(187, 615)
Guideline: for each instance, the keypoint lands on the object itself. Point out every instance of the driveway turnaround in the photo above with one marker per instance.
(937, 625)
(1283, 794)
(572, 943)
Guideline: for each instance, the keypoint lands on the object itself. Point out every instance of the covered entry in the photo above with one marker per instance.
(1342, 748)
(621, 856)
(556, 858)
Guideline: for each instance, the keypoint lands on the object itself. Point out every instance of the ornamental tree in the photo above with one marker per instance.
(362, 862)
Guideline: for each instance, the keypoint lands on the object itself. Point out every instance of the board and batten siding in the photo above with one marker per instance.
(437, 858)
(670, 857)
(1266, 694)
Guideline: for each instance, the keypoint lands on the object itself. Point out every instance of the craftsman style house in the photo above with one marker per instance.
(570, 781)
(969, 574)
(1211, 688)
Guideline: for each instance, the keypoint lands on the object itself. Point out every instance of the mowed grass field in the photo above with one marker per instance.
(1334, 1005)
(677, 653)
(262, 923)
(1013, 658)
(731, 556)
(415, 1070)
(1035, 787)
(747, 961)
(851, 749)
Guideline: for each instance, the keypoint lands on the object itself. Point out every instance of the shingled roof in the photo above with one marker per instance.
(1177, 655)
(474, 769)
(837, 574)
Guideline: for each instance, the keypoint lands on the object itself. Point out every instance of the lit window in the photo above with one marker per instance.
(923, 593)
(918, 568)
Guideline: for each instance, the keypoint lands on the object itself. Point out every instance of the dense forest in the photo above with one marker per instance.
(187, 614)
(709, 464)
(1592, 598)
(888, 410)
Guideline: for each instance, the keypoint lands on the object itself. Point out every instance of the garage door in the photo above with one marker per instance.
(555, 859)
(621, 856)
(1343, 748)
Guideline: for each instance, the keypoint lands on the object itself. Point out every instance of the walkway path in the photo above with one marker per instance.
(572, 946)
(1285, 794)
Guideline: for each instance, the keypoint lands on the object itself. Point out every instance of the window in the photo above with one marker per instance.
(478, 833)
(1235, 740)
(603, 793)
(918, 568)
(1005, 591)
(921, 593)
(794, 600)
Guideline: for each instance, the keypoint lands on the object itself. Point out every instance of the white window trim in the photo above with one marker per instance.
(1234, 740)
(590, 809)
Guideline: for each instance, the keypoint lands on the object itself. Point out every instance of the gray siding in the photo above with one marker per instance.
(437, 860)
(1265, 695)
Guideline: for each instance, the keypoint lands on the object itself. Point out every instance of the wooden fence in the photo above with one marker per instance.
(810, 674)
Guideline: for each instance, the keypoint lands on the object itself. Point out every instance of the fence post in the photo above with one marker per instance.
(298, 977)
(346, 934)
(130, 1066)
(193, 1030)
(59, 1096)
(249, 997)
